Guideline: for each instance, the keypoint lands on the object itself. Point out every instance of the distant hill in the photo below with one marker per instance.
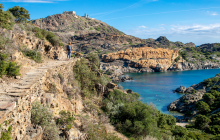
(70, 22)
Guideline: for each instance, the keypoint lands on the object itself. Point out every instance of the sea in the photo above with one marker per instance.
(157, 88)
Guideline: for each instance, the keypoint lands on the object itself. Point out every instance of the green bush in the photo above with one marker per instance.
(177, 59)
(179, 131)
(209, 98)
(13, 69)
(40, 115)
(8, 68)
(6, 19)
(202, 107)
(130, 116)
(86, 73)
(6, 135)
(214, 129)
(201, 121)
(36, 56)
(51, 37)
(65, 119)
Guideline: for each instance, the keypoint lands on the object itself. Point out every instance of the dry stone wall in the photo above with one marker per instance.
(16, 101)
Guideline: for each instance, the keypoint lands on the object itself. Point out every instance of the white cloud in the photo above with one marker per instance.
(212, 13)
(33, 1)
(142, 27)
(197, 33)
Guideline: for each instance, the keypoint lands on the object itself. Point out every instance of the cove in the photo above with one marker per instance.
(157, 87)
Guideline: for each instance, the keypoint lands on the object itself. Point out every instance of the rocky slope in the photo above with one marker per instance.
(144, 57)
(193, 95)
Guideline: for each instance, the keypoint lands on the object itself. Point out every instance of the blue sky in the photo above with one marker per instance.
(195, 21)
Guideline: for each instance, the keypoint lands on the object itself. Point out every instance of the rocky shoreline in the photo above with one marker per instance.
(118, 69)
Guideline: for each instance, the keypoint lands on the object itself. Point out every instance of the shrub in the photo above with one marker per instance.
(36, 56)
(4, 42)
(61, 78)
(3, 67)
(177, 59)
(131, 117)
(51, 37)
(8, 68)
(51, 132)
(6, 19)
(179, 131)
(40, 115)
(202, 107)
(215, 129)
(208, 97)
(91, 28)
(6, 135)
(65, 119)
(13, 69)
(53, 88)
(201, 121)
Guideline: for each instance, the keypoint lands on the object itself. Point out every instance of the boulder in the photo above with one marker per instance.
(112, 85)
(75, 134)
(181, 89)
(34, 133)
(189, 90)
(129, 91)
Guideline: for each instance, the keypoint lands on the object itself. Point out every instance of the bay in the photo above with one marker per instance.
(157, 88)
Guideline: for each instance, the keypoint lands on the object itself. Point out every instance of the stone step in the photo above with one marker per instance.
(6, 105)
(15, 91)
(22, 87)
(17, 94)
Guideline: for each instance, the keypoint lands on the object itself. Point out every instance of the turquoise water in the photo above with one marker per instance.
(157, 88)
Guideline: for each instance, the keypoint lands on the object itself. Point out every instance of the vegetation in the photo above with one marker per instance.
(6, 135)
(207, 121)
(20, 13)
(86, 73)
(43, 34)
(40, 115)
(33, 54)
(8, 68)
(6, 20)
(134, 118)
(61, 78)
(65, 119)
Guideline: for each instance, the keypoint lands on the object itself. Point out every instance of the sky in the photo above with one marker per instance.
(196, 21)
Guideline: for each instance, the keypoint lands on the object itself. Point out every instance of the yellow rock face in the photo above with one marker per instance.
(144, 57)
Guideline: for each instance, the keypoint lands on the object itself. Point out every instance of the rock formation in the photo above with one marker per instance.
(144, 57)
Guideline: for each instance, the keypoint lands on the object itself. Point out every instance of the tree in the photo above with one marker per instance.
(209, 98)
(201, 121)
(202, 107)
(5, 18)
(20, 13)
(179, 131)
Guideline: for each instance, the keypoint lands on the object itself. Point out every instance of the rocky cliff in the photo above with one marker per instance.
(144, 57)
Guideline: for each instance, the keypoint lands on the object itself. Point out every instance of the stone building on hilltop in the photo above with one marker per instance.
(70, 12)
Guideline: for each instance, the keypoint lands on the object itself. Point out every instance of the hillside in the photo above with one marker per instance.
(200, 105)
(90, 35)
(53, 99)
